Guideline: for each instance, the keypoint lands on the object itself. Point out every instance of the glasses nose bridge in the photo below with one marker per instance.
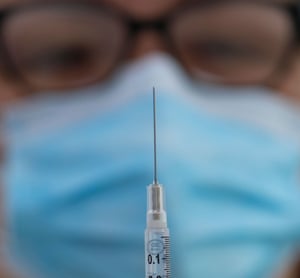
(147, 37)
(137, 27)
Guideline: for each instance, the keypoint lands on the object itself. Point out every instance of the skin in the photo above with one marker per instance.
(148, 41)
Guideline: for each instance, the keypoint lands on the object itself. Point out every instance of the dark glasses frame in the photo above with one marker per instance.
(134, 26)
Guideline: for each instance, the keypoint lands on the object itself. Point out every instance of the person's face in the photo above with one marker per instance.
(225, 25)
(231, 49)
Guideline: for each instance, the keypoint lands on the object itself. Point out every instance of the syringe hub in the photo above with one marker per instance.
(156, 214)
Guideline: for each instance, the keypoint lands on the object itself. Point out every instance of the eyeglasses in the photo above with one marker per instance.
(63, 45)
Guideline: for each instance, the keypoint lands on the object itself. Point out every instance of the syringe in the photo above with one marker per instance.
(157, 236)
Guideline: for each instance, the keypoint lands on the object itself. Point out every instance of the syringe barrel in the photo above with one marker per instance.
(157, 253)
(156, 214)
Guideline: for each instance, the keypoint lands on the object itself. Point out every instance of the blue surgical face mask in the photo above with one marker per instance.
(78, 164)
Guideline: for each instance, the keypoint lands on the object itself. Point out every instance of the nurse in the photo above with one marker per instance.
(76, 136)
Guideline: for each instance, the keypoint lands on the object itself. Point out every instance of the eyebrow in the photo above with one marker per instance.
(241, 1)
(12, 3)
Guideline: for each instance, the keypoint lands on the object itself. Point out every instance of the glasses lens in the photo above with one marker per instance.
(237, 42)
(58, 47)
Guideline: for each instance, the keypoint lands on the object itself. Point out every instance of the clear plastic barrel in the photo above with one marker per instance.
(157, 253)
